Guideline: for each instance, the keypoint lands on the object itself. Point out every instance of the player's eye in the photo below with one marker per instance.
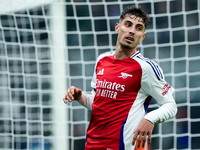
(128, 24)
(139, 27)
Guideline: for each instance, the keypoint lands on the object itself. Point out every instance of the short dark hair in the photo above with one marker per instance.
(138, 12)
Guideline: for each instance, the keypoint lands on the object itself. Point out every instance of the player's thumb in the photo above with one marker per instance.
(78, 93)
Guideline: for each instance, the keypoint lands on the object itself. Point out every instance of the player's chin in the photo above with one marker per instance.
(127, 46)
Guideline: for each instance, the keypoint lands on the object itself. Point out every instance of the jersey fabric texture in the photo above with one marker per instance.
(123, 91)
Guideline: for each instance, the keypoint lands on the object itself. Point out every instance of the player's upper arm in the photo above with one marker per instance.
(154, 84)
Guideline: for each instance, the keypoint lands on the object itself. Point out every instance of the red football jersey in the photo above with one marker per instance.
(122, 94)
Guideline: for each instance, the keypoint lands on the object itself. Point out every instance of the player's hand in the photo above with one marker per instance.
(72, 93)
(144, 129)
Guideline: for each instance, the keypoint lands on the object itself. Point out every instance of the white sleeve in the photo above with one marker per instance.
(94, 80)
(86, 100)
(154, 84)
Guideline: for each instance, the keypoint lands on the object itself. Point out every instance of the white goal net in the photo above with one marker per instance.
(48, 45)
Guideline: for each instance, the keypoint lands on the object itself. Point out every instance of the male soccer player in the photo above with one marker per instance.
(123, 84)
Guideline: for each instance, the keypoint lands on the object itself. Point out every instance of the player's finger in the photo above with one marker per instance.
(65, 100)
(144, 139)
(134, 138)
(69, 98)
(149, 139)
(70, 94)
(139, 139)
(72, 90)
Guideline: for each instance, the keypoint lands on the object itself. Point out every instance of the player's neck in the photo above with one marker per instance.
(123, 53)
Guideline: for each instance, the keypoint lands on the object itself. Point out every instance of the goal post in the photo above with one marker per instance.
(55, 25)
(57, 29)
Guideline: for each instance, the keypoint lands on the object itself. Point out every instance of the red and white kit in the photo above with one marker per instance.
(123, 91)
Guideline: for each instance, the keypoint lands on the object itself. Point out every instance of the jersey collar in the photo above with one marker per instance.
(138, 52)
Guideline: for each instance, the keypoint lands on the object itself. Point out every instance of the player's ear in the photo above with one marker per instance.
(143, 36)
(117, 27)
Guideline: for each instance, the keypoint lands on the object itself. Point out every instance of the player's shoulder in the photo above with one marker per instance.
(105, 54)
(149, 65)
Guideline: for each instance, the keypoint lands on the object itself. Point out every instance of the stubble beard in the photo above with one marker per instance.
(126, 45)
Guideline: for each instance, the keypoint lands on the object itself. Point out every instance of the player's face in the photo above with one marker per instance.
(131, 30)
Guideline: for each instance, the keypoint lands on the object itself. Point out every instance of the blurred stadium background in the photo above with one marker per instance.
(48, 45)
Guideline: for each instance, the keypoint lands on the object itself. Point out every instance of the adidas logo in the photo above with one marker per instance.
(100, 72)
(125, 75)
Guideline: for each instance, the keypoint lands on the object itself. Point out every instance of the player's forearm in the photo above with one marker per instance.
(165, 112)
(86, 100)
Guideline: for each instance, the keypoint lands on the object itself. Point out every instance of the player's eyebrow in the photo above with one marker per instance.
(140, 20)
(140, 25)
(127, 21)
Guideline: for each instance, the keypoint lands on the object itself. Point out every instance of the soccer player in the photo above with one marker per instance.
(123, 84)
